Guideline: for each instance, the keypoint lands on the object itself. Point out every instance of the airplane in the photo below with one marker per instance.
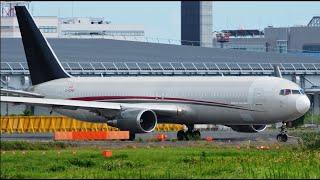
(137, 104)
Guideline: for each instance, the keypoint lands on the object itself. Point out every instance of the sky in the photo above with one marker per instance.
(161, 19)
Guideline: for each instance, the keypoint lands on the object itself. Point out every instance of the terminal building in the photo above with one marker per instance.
(75, 27)
(296, 39)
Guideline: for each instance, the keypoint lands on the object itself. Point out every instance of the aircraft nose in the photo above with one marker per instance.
(302, 104)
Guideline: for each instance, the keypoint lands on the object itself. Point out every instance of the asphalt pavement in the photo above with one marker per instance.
(221, 137)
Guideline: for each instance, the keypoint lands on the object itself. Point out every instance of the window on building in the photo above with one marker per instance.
(282, 46)
(48, 29)
(311, 48)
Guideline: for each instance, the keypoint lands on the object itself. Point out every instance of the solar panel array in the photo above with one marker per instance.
(170, 68)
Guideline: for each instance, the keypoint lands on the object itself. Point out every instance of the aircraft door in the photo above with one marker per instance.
(259, 99)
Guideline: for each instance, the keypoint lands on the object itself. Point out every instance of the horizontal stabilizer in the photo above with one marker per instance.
(20, 93)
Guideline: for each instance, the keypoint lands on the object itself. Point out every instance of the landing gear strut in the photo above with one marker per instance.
(190, 134)
(283, 137)
(132, 136)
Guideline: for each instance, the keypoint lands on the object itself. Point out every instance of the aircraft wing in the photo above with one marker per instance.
(160, 109)
(68, 104)
(20, 93)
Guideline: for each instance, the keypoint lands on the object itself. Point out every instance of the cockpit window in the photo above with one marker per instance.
(282, 92)
(285, 92)
(295, 92)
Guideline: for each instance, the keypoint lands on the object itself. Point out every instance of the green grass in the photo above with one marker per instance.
(312, 118)
(206, 160)
(308, 139)
(24, 145)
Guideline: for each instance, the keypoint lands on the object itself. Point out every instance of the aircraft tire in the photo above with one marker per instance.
(282, 137)
(181, 135)
(196, 135)
(132, 136)
(189, 135)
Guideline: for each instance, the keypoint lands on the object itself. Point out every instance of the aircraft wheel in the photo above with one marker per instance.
(279, 137)
(132, 136)
(196, 135)
(282, 137)
(181, 135)
(189, 135)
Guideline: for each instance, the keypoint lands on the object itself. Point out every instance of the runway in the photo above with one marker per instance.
(219, 137)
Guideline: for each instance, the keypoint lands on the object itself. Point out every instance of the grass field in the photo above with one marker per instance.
(312, 118)
(205, 160)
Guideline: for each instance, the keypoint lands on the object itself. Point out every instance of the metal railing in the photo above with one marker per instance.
(169, 68)
(35, 124)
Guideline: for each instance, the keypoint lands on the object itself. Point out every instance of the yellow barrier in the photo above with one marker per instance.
(22, 124)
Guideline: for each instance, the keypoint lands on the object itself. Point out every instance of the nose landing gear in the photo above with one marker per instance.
(283, 137)
(190, 134)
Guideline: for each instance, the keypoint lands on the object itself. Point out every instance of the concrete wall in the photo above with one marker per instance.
(206, 23)
(300, 36)
(297, 37)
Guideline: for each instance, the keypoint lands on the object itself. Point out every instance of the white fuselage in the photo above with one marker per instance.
(204, 100)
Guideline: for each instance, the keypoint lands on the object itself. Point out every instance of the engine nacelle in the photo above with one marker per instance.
(135, 120)
(248, 128)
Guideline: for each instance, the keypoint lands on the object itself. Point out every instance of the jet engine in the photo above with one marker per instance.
(135, 120)
(248, 128)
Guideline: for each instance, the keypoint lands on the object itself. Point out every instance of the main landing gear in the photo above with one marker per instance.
(132, 136)
(190, 134)
(283, 137)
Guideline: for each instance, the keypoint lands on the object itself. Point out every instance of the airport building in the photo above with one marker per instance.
(196, 23)
(78, 27)
(75, 27)
(297, 39)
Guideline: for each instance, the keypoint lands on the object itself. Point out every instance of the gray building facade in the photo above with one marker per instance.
(196, 23)
(298, 39)
(292, 39)
(257, 44)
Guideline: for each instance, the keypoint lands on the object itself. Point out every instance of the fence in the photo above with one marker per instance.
(34, 124)
(167, 68)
